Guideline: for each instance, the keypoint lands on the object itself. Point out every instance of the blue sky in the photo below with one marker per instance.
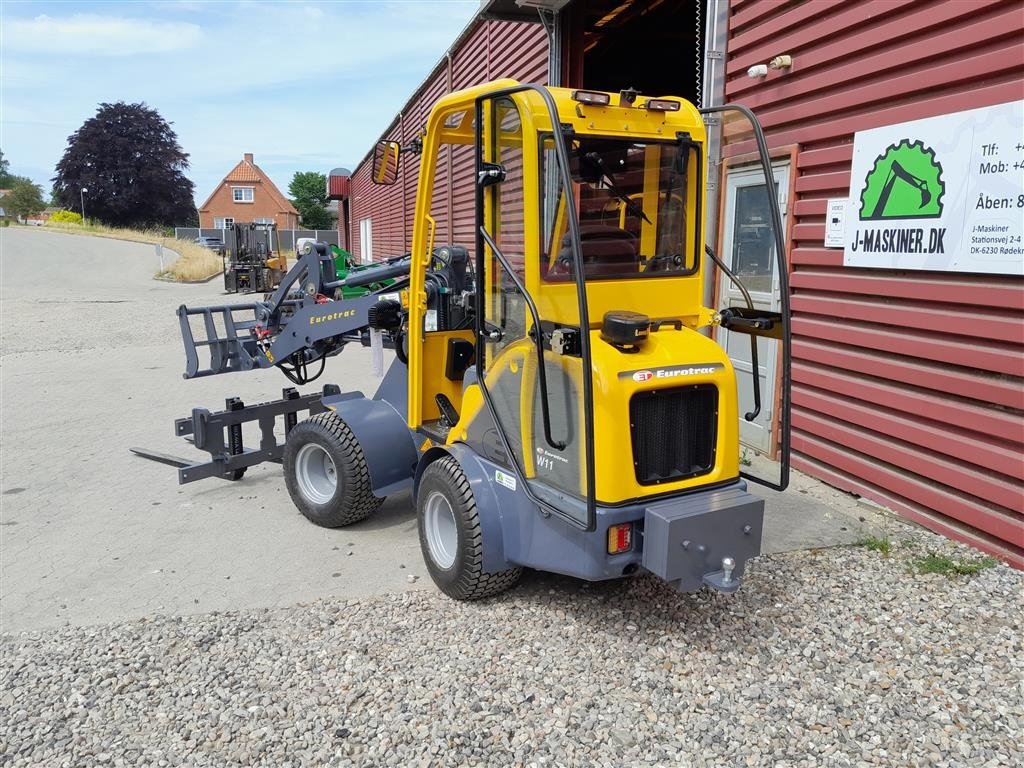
(301, 85)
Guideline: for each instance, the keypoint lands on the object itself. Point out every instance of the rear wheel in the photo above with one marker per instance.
(326, 472)
(450, 535)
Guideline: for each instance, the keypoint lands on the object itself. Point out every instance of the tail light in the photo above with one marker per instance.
(620, 538)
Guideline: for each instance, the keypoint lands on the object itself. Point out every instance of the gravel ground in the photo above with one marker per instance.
(834, 657)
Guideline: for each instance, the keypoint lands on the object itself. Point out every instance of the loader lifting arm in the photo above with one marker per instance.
(263, 334)
(298, 326)
(296, 329)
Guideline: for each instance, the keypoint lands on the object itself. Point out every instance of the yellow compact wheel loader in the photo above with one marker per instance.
(556, 401)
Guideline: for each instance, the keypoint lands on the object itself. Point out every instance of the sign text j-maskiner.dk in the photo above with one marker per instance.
(944, 193)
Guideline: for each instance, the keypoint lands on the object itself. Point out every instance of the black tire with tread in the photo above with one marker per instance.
(353, 500)
(466, 579)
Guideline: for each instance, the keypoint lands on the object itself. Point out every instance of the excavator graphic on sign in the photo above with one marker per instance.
(920, 195)
(897, 171)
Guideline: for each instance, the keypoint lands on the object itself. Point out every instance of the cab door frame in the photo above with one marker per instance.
(737, 177)
(783, 330)
(587, 521)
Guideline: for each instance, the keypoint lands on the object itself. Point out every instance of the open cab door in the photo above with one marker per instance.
(753, 295)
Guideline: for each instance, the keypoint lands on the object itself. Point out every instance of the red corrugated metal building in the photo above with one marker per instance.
(486, 50)
(908, 386)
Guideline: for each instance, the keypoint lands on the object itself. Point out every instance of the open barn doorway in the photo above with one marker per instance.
(656, 47)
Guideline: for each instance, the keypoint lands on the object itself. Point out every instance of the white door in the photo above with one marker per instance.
(366, 240)
(748, 247)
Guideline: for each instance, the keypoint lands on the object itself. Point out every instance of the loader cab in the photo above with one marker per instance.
(584, 373)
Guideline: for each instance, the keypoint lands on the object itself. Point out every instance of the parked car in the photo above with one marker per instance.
(213, 243)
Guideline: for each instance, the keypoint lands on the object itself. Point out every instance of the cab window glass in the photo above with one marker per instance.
(637, 208)
(507, 151)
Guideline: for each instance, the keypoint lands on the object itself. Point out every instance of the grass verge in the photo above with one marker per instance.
(876, 544)
(193, 263)
(947, 566)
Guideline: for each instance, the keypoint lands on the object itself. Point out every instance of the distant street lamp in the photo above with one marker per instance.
(81, 193)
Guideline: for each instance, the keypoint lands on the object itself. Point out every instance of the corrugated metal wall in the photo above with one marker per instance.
(908, 386)
(491, 50)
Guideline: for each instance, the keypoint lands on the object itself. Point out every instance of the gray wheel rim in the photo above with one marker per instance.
(315, 473)
(441, 530)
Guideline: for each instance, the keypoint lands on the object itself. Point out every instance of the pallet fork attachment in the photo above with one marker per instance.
(220, 434)
(228, 352)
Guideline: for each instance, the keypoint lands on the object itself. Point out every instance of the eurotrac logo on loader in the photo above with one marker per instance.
(646, 374)
(332, 316)
(904, 183)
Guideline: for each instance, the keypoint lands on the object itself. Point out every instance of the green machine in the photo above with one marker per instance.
(345, 265)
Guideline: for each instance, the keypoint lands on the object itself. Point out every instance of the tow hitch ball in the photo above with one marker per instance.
(722, 580)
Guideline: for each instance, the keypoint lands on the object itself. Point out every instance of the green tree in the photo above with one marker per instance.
(24, 199)
(5, 171)
(309, 195)
(7, 179)
(128, 158)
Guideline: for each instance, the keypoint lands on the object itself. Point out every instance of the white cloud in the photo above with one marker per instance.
(95, 35)
(302, 92)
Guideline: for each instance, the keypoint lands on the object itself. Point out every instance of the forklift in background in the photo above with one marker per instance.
(251, 262)
(554, 403)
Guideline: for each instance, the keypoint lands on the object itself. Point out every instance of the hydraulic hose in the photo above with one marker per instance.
(376, 274)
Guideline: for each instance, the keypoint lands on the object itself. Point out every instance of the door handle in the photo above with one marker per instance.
(491, 332)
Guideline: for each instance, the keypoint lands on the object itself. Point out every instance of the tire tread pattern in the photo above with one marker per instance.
(358, 488)
(473, 583)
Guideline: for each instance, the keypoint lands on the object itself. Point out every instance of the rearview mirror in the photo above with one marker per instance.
(385, 162)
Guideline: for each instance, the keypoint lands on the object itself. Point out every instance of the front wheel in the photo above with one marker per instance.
(326, 472)
(450, 535)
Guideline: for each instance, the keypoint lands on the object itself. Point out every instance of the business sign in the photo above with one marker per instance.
(944, 193)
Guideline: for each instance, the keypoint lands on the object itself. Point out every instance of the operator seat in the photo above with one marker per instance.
(607, 251)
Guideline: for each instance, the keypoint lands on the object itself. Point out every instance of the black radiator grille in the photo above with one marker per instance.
(674, 432)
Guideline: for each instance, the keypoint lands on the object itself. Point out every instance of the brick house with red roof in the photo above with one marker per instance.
(247, 194)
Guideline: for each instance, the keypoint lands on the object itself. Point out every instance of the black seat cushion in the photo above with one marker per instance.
(607, 251)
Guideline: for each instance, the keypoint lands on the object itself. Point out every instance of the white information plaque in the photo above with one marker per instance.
(944, 193)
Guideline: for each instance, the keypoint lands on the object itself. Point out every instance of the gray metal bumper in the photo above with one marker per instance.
(686, 539)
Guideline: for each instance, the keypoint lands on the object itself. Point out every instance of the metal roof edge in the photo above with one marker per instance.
(469, 29)
(512, 10)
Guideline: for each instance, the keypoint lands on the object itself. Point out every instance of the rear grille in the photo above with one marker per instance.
(674, 432)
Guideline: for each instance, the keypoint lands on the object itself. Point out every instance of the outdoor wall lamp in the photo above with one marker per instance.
(785, 61)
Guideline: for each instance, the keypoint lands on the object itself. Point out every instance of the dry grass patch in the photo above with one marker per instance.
(193, 263)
